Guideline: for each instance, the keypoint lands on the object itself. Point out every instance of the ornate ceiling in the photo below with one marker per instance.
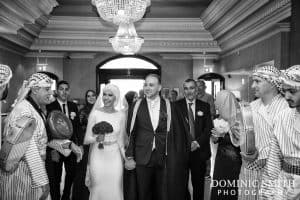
(169, 26)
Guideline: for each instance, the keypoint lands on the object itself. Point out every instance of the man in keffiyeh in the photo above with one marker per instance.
(22, 156)
(286, 143)
(266, 83)
(5, 76)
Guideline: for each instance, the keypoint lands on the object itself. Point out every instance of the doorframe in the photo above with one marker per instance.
(104, 75)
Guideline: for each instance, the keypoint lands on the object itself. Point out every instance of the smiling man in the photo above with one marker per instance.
(22, 157)
(266, 85)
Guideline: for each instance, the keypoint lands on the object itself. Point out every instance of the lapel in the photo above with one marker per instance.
(57, 105)
(162, 113)
(144, 105)
(184, 110)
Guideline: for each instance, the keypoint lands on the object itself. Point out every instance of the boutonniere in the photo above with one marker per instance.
(199, 113)
(72, 115)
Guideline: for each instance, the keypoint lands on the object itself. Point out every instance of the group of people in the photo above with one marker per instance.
(149, 149)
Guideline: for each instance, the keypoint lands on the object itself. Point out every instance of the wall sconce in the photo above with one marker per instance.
(243, 81)
(41, 66)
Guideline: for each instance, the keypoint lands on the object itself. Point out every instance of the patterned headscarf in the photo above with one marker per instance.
(291, 77)
(35, 80)
(5, 74)
(270, 74)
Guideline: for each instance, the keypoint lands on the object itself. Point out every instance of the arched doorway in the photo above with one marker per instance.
(127, 72)
(214, 83)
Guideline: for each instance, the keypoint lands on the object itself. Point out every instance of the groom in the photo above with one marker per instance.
(147, 143)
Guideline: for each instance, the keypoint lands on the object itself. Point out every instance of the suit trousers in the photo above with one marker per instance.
(198, 169)
(54, 171)
(151, 179)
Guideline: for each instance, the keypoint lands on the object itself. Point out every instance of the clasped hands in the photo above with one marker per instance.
(77, 150)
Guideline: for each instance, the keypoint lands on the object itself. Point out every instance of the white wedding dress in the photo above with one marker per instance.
(106, 165)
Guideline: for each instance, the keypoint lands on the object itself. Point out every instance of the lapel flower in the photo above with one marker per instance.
(199, 113)
(72, 115)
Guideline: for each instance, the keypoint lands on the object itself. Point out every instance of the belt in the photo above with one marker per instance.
(107, 143)
(291, 169)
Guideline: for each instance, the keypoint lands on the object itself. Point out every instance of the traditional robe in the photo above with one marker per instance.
(285, 149)
(25, 181)
(263, 120)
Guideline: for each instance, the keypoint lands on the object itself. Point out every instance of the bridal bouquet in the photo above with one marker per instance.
(221, 126)
(102, 128)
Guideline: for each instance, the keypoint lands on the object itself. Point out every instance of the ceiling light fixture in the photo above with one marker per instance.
(123, 13)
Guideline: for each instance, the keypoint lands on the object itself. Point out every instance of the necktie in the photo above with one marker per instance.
(64, 108)
(191, 121)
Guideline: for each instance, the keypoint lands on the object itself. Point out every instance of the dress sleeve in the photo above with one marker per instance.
(89, 138)
(122, 136)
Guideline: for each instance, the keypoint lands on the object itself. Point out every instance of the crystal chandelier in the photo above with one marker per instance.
(123, 13)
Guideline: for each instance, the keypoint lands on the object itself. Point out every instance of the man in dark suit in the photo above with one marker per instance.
(147, 145)
(55, 160)
(198, 118)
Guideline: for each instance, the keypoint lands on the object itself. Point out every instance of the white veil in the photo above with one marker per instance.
(115, 90)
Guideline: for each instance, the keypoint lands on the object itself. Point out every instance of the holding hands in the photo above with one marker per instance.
(129, 163)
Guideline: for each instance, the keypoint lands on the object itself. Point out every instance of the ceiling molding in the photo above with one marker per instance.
(278, 28)
(216, 10)
(176, 56)
(256, 24)
(15, 14)
(46, 54)
(11, 47)
(85, 45)
(205, 56)
(92, 33)
(240, 12)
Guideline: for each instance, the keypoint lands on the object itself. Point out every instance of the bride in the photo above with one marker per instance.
(105, 166)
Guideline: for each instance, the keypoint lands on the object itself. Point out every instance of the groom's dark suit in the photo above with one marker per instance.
(150, 163)
(54, 169)
(198, 158)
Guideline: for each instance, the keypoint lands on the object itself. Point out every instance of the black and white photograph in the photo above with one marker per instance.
(149, 99)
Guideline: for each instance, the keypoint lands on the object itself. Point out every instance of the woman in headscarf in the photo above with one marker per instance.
(80, 191)
(105, 165)
(228, 160)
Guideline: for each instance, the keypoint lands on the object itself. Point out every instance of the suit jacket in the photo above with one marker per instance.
(203, 125)
(77, 138)
(141, 140)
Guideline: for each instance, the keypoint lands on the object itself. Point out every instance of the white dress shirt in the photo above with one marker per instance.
(154, 108)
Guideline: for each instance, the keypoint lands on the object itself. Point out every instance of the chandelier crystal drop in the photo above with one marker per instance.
(121, 11)
(126, 41)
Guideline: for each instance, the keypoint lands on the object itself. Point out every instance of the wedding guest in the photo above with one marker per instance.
(203, 96)
(5, 76)
(198, 119)
(80, 191)
(174, 95)
(55, 160)
(228, 160)
(22, 157)
(131, 97)
(285, 146)
(266, 83)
